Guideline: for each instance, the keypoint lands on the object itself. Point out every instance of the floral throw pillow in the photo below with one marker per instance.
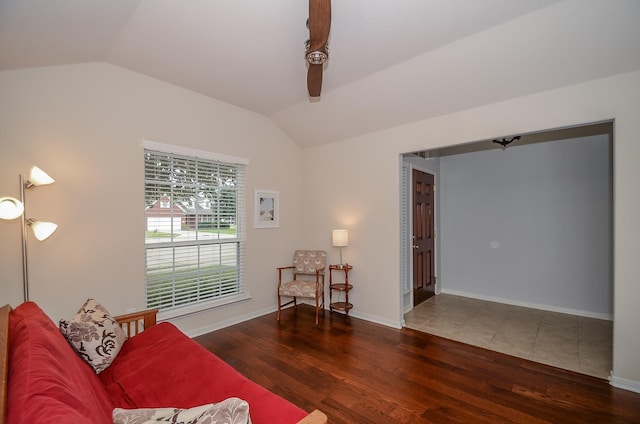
(94, 335)
(229, 411)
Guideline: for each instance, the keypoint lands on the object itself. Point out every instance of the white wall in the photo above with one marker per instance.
(356, 184)
(84, 125)
(530, 225)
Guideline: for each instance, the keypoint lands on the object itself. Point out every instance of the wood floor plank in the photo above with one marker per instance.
(361, 372)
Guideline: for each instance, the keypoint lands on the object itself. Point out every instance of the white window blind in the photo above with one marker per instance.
(194, 238)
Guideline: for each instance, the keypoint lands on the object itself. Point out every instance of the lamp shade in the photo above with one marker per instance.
(42, 230)
(10, 208)
(340, 238)
(38, 177)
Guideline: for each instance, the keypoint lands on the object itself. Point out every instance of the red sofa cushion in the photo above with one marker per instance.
(162, 367)
(48, 381)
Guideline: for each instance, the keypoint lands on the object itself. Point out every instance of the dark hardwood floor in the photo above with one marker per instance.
(363, 372)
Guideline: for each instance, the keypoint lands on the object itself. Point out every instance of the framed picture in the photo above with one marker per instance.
(267, 209)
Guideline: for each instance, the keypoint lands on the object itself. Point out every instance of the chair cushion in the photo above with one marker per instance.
(300, 288)
(307, 261)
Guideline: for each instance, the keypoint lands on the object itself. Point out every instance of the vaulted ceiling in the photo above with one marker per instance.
(391, 62)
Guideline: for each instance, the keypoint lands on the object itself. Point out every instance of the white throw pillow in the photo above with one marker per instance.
(229, 411)
(94, 335)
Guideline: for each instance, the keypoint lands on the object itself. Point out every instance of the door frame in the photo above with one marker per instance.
(406, 256)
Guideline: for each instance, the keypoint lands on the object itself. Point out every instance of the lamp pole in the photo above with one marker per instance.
(25, 271)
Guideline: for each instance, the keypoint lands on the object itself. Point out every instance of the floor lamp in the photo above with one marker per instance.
(12, 208)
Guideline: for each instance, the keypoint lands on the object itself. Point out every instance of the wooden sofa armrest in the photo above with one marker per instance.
(136, 322)
(316, 417)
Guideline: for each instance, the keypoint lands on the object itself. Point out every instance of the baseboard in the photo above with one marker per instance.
(229, 322)
(356, 314)
(246, 317)
(578, 312)
(623, 383)
(397, 324)
(376, 319)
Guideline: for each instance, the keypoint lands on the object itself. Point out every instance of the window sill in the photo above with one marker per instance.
(181, 311)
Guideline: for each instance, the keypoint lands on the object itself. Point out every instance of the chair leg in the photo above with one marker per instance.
(278, 314)
(317, 310)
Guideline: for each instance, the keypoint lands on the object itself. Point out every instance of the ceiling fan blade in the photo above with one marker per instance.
(314, 80)
(319, 24)
(317, 51)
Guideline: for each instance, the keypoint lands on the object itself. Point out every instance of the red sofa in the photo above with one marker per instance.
(160, 367)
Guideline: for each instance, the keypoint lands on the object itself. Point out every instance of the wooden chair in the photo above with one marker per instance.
(310, 265)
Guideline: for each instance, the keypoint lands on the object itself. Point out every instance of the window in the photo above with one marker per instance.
(194, 235)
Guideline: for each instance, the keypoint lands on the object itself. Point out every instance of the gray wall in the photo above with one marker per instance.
(530, 225)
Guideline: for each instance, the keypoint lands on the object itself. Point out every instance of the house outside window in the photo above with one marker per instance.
(194, 229)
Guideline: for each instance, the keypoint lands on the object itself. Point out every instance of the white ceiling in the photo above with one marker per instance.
(391, 62)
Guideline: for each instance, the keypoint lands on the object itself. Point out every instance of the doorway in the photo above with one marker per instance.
(509, 250)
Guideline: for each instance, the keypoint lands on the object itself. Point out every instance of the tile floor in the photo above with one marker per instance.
(564, 341)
